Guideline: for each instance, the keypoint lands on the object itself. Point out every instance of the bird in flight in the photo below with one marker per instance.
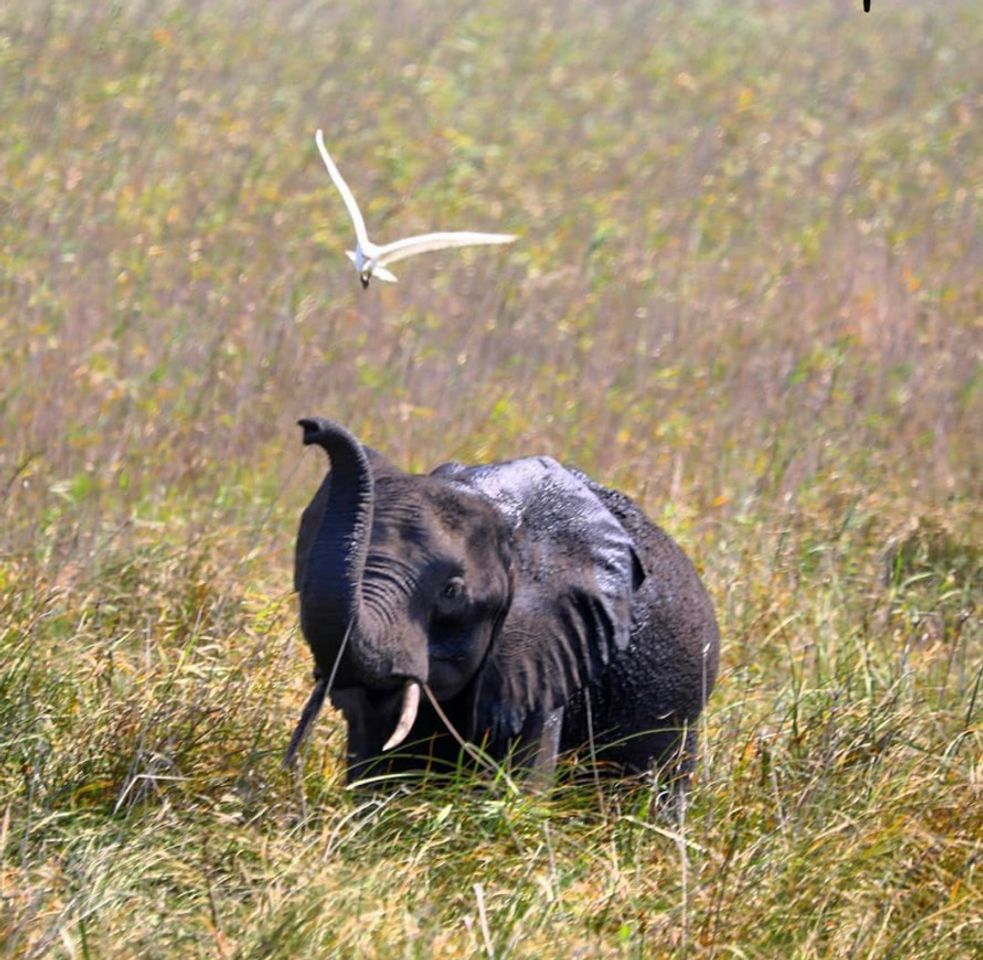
(370, 258)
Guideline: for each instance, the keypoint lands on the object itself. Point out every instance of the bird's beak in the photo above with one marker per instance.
(364, 277)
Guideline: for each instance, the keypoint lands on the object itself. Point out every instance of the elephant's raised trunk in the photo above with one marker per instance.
(351, 646)
(331, 552)
(330, 595)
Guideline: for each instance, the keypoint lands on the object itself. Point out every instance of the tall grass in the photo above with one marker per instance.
(747, 292)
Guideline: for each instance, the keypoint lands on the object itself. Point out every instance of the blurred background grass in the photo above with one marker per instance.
(747, 291)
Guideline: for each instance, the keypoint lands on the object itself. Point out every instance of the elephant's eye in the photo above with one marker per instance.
(453, 589)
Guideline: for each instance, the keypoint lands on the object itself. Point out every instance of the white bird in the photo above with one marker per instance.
(370, 259)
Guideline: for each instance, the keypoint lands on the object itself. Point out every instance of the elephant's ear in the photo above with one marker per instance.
(310, 519)
(450, 470)
(576, 570)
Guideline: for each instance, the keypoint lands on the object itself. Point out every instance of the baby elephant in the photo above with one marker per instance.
(538, 612)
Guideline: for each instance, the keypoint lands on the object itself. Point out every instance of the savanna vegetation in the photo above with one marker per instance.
(747, 291)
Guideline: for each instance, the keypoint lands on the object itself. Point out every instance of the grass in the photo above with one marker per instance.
(746, 292)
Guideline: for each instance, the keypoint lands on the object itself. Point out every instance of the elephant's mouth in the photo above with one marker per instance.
(410, 706)
(449, 675)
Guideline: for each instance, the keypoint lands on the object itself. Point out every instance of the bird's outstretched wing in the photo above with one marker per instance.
(428, 242)
(346, 194)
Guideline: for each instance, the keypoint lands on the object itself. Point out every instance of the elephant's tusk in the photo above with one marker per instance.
(407, 716)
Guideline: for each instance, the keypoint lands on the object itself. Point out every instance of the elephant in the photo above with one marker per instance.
(539, 612)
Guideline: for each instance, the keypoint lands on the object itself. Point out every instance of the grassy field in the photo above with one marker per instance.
(747, 291)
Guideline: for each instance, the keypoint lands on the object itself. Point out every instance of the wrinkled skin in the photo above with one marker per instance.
(544, 612)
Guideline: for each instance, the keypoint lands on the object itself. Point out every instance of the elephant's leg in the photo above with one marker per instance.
(677, 770)
(367, 726)
(538, 749)
(671, 774)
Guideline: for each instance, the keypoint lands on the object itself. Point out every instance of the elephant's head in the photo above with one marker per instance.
(510, 584)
